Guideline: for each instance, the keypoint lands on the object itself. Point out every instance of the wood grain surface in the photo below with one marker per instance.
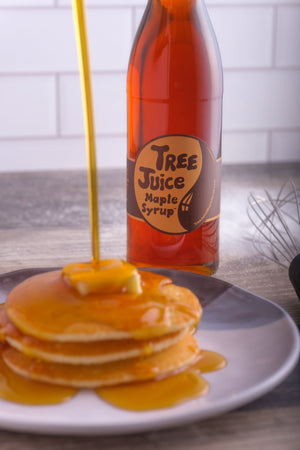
(44, 222)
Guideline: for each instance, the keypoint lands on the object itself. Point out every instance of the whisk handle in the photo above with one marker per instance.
(294, 274)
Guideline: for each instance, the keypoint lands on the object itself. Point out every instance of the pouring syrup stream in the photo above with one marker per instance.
(84, 69)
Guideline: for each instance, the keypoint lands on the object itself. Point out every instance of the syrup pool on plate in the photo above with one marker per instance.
(154, 394)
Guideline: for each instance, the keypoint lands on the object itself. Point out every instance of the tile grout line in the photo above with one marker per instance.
(57, 6)
(123, 134)
(274, 38)
(57, 100)
(61, 137)
(213, 3)
(216, 4)
(61, 73)
(133, 23)
(257, 4)
(269, 146)
(252, 69)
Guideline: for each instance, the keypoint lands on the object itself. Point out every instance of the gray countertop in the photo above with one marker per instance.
(44, 222)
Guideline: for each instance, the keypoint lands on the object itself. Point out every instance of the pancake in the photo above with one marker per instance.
(165, 363)
(47, 308)
(86, 352)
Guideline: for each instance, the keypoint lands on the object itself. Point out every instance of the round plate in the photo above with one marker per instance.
(258, 338)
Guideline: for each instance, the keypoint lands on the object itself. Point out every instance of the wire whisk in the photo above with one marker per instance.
(277, 228)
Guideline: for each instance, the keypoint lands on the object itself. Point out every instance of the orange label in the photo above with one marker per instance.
(175, 184)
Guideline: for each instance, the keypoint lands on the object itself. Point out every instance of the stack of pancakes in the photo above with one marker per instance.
(55, 335)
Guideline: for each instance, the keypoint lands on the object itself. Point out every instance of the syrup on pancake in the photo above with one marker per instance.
(119, 341)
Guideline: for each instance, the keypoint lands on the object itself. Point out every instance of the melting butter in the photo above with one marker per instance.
(104, 276)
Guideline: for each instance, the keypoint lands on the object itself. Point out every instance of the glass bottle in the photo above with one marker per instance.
(174, 91)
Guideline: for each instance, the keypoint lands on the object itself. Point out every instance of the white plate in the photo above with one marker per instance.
(259, 340)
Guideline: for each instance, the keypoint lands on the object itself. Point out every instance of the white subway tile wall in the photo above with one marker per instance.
(41, 122)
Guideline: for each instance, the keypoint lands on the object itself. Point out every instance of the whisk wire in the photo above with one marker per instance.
(259, 244)
(277, 223)
(285, 226)
(291, 197)
(267, 223)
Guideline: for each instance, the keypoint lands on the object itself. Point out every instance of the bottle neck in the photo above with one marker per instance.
(178, 6)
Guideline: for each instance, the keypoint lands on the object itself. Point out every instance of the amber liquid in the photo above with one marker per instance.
(85, 79)
(165, 392)
(174, 86)
(154, 394)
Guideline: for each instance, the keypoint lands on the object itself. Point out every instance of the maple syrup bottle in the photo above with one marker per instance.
(174, 89)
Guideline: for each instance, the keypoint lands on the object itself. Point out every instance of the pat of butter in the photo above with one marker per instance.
(105, 276)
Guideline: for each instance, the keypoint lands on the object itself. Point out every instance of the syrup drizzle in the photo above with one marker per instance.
(156, 394)
(168, 391)
(15, 388)
(159, 393)
(84, 68)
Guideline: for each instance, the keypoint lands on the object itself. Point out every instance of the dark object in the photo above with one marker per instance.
(294, 274)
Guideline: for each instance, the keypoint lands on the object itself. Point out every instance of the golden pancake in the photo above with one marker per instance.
(47, 308)
(84, 352)
(164, 363)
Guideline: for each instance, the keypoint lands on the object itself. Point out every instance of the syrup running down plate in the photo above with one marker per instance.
(241, 326)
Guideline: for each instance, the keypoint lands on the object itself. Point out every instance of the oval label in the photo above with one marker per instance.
(175, 183)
